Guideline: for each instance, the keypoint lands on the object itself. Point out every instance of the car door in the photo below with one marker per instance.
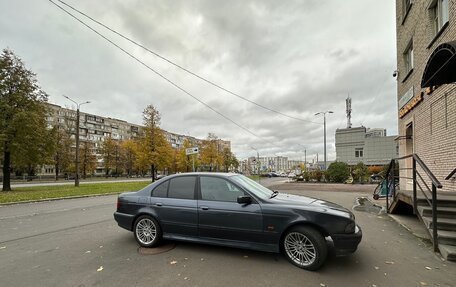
(176, 207)
(221, 217)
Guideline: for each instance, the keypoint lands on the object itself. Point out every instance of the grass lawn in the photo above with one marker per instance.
(57, 191)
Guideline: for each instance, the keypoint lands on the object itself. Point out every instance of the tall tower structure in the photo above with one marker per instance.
(348, 104)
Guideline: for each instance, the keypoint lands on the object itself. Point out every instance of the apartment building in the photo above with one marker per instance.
(94, 129)
(426, 89)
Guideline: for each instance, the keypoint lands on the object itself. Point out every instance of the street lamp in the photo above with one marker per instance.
(258, 163)
(76, 178)
(324, 128)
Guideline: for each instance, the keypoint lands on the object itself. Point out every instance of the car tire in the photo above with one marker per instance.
(305, 247)
(147, 231)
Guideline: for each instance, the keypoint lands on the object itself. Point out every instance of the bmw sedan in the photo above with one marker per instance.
(233, 210)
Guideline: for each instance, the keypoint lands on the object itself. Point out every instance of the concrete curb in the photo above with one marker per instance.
(59, 198)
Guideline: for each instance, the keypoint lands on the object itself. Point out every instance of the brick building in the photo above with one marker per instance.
(426, 88)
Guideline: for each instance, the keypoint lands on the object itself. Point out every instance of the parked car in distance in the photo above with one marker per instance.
(233, 210)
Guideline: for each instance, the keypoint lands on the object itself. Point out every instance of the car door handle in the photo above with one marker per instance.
(158, 204)
(204, 208)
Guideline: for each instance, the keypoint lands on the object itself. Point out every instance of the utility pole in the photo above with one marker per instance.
(78, 105)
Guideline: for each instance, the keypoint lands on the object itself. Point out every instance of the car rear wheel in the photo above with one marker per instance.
(305, 247)
(147, 231)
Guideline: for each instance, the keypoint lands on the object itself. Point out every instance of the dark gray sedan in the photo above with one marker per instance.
(233, 210)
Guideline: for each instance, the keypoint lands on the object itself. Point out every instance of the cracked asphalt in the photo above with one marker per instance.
(76, 242)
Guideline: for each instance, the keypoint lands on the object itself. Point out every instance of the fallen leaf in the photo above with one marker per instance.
(202, 259)
(186, 278)
(245, 256)
(185, 258)
(88, 251)
(376, 267)
(173, 262)
(322, 285)
(423, 283)
(373, 285)
(100, 269)
(3, 247)
(101, 246)
(428, 268)
(389, 262)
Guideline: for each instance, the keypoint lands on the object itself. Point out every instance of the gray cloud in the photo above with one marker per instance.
(298, 57)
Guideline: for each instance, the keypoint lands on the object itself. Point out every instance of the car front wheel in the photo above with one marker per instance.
(147, 231)
(305, 247)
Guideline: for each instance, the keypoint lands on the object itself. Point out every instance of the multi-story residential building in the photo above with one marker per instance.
(426, 89)
(370, 146)
(94, 129)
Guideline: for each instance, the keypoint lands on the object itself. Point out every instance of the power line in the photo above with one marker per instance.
(183, 68)
(160, 75)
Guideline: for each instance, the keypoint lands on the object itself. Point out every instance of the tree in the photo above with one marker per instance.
(128, 151)
(88, 158)
(109, 152)
(210, 154)
(229, 160)
(338, 172)
(63, 155)
(360, 172)
(154, 149)
(24, 137)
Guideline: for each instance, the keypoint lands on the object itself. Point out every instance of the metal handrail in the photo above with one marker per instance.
(451, 174)
(433, 189)
(434, 180)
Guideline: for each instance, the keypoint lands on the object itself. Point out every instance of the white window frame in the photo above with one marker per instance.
(408, 58)
(439, 10)
(359, 152)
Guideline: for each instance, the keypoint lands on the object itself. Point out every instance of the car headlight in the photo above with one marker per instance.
(350, 228)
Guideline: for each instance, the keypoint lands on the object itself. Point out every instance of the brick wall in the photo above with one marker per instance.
(434, 119)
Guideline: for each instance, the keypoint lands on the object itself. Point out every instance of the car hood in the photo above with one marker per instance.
(298, 200)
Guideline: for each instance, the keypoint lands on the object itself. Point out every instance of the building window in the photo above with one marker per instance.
(408, 58)
(406, 4)
(439, 14)
(359, 152)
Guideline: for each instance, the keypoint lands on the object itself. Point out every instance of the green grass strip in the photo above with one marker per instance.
(58, 191)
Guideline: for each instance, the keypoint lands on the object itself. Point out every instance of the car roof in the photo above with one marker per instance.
(220, 174)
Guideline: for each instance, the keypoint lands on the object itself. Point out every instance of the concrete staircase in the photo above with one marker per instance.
(446, 222)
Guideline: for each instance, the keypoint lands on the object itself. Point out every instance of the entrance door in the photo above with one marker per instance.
(409, 149)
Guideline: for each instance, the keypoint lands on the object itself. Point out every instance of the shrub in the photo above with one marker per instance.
(338, 172)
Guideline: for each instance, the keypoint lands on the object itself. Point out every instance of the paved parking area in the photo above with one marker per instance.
(77, 243)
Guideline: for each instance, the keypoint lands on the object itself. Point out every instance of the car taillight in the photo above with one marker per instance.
(118, 204)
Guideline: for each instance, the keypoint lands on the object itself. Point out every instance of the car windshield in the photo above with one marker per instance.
(253, 186)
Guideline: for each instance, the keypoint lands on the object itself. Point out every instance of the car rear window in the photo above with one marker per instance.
(161, 190)
(182, 187)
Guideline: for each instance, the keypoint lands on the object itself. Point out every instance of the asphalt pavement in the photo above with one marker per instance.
(76, 242)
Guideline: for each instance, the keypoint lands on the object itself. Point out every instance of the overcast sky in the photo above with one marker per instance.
(296, 57)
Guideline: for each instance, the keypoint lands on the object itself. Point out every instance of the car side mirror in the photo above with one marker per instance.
(245, 199)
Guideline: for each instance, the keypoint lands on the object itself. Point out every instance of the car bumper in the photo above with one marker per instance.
(124, 220)
(347, 243)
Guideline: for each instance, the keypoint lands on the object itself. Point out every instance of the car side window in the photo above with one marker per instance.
(219, 189)
(161, 190)
(182, 187)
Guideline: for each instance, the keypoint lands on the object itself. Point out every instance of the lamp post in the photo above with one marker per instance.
(78, 105)
(324, 133)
